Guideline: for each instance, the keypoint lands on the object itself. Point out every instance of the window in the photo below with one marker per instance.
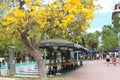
(119, 7)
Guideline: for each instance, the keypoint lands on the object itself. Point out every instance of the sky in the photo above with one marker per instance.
(102, 17)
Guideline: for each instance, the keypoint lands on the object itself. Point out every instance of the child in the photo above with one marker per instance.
(114, 58)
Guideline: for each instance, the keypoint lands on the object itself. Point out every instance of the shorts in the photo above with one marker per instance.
(107, 60)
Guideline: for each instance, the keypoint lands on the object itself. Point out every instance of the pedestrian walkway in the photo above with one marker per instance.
(91, 70)
(96, 70)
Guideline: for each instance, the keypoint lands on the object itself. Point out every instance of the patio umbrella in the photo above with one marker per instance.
(92, 51)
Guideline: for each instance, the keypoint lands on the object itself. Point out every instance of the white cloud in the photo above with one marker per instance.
(108, 5)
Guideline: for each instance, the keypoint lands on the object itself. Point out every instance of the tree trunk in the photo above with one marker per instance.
(37, 56)
(40, 64)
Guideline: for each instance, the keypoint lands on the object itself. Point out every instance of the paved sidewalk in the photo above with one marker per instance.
(91, 70)
(96, 70)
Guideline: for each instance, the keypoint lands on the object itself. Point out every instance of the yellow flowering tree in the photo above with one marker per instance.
(80, 23)
(30, 20)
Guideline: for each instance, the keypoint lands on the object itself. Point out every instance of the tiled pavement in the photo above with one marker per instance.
(91, 70)
(96, 70)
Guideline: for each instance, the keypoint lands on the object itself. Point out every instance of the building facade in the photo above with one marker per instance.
(116, 23)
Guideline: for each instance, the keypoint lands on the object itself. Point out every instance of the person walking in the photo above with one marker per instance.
(108, 59)
(114, 58)
(97, 56)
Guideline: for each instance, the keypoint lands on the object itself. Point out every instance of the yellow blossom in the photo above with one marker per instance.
(37, 2)
(82, 28)
(28, 37)
(7, 28)
(27, 1)
(23, 30)
(73, 2)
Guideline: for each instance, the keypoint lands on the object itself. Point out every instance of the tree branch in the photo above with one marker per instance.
(21, 3)
(41, 38)
(25, 41)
